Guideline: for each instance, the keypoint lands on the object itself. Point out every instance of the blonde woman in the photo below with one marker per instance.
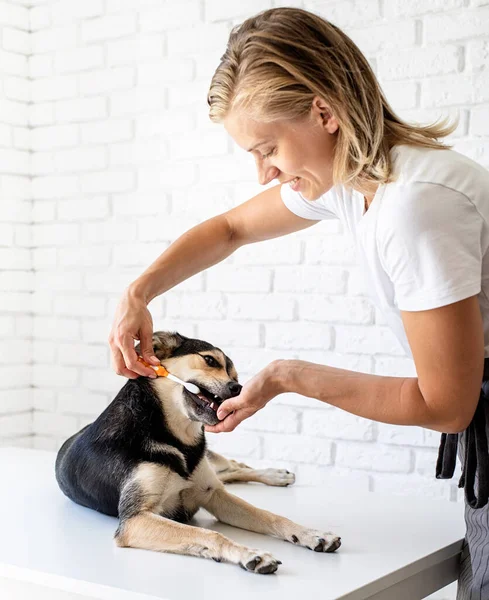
(294, 91)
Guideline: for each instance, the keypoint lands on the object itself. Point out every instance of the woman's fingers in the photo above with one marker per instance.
(132, 321)
(228, 406)
(125, 359)
(131, 358)
(118, 363)
(231, 413)
(146, 342)
(229, 423)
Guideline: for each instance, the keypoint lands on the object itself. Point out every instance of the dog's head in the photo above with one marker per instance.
(201, 363)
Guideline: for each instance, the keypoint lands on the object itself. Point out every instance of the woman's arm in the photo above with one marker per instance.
(448, 350)
(263, 217)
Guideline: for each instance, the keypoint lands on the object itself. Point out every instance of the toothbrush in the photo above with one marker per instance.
(162, 372)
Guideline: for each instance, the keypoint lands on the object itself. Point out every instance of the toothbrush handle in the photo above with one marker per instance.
(162, 372)
(191, 387)
(159, 370)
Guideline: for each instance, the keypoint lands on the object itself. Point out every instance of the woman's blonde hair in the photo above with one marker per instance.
(276, 63)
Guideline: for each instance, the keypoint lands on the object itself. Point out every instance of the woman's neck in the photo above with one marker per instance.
(369, 195)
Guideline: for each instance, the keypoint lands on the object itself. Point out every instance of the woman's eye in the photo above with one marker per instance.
(271, 153)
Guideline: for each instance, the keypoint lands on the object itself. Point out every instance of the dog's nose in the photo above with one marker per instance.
(234, 388)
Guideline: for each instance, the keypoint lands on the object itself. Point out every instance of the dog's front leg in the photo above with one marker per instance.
(235, 511)
(150, 531)
(230, 471)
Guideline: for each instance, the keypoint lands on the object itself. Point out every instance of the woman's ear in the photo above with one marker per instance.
(322, 113)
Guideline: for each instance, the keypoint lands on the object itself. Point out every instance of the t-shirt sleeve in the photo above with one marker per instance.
(308, 209)
(430, 244)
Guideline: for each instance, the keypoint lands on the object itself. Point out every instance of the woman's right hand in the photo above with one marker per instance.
(132, 321)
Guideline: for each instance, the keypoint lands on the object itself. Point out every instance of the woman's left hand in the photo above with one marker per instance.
(254, 395)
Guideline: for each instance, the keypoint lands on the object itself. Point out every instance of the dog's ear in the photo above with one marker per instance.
(164, 343)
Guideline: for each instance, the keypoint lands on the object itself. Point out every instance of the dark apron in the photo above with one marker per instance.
(473, 578)
(475, 459)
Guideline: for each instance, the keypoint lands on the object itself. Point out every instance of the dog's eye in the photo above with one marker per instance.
(212, 362)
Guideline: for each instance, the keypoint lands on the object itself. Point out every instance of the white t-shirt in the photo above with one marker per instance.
(425, 237)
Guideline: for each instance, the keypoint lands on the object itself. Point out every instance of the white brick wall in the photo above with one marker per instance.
(107, 155)
(17, 279)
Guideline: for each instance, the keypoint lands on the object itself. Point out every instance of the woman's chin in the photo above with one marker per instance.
(313, 193)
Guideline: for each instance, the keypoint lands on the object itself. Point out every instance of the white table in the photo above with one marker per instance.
(393, 547)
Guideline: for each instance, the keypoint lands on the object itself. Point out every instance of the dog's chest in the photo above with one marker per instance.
(182, 498)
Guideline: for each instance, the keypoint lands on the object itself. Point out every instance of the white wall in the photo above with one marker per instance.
(17, 278)
(124, 159)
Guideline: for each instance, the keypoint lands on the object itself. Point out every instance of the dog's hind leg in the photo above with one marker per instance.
(152, 532)
(150, 492)
(228, 471)
(233, 510)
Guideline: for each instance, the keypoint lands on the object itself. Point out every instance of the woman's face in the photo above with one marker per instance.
(298, 152)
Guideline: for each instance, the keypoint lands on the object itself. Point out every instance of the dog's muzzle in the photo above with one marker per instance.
(232, 389)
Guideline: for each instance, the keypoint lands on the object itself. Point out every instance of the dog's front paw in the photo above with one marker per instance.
(258, 561)
(278, 477)
(319, 542)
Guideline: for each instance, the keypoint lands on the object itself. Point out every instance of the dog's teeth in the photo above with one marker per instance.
(213, 406)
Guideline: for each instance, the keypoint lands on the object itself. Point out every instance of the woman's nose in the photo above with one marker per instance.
(267, 174)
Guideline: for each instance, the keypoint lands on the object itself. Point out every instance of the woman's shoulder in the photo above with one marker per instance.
(437, 167)
(431, 190)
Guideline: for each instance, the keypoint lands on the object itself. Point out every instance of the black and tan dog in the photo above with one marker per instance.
(144, 459)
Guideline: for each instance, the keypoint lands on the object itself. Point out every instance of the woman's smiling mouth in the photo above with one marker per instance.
(295, 183)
